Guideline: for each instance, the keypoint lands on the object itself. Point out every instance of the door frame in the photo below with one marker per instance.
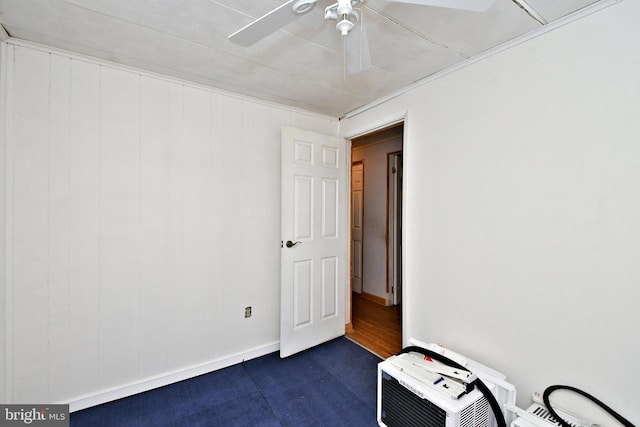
(348, 327)
(391, 121)
(394, 238)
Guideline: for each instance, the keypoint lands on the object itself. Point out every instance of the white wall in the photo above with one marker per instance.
(3, 343)
(142, 216)
(522, 230)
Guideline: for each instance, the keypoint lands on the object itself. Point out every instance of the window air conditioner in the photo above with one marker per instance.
(405, 398)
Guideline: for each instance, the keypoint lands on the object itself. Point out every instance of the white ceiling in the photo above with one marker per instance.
(301, 65)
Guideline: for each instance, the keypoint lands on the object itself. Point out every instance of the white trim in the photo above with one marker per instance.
(347, 236)
(387, 121)
(406, 192)
(160, 76)
(487, 53)
(151, 383)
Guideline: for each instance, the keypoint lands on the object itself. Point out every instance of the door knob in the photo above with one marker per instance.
(290, 244)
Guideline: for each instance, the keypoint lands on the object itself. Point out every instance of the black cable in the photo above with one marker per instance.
(563, 423)
(495, 407)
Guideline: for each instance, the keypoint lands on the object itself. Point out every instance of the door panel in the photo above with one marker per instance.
(329, 287)
(330, 209)
(302, 281)
(313, 270)
(303, 208)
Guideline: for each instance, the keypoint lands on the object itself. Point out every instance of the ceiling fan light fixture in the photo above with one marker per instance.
(344, 13)
(344, 7)
(345, 25)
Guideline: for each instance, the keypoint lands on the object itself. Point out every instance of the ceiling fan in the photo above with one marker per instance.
(349, 24)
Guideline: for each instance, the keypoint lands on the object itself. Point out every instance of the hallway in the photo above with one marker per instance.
(376, 327)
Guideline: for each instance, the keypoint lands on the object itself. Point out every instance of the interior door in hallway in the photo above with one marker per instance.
(314, 239)
(357, 210)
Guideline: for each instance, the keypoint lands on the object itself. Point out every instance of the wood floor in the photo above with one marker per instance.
(375, 326)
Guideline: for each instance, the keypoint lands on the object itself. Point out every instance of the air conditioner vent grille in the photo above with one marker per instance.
(402, 408)
(476, 414)
(542, 412)
(482, 412)
(466, 417)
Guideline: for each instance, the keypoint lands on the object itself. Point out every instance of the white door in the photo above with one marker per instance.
(314, 240)
(357, 210)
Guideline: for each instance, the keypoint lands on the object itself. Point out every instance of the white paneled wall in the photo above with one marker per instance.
(142, 216)
(3, 314)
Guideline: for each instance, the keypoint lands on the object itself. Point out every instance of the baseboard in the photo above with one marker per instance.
(147, 384)
(374, 298)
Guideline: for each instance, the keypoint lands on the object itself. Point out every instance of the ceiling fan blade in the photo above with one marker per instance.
(356, 46)
(265, 25)
(472, 5)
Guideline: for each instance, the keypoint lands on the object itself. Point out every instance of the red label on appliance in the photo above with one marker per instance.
(428, 359)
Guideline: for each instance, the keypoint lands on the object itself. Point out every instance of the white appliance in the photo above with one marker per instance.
(539, 416)
(409, 398)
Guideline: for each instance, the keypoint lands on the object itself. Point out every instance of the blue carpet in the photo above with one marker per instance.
(333, 384)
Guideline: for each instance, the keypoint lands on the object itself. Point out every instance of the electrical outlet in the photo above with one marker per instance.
(247, 311)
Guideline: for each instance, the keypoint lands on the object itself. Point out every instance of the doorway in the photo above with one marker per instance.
(376, 241)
